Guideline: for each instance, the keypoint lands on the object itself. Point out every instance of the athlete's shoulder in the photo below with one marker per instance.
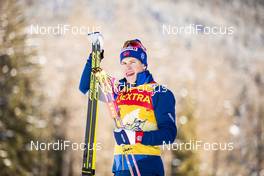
(162, 90)
(163, 95)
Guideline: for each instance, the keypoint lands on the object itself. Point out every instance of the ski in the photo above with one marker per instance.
(89, 155)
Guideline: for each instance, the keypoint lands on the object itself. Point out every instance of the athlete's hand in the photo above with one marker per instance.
(123, 136)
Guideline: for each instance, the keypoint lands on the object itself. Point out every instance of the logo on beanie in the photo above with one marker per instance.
(142, 56)
(126, 53)
(129, 48)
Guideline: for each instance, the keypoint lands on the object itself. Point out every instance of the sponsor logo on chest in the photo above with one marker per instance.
(135, 97)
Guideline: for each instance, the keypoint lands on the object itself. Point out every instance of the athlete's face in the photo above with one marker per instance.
(131, 67)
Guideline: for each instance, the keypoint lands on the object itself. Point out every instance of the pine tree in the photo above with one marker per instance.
(21, 118)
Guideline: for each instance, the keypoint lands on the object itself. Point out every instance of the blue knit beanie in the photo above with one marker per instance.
(136, 50)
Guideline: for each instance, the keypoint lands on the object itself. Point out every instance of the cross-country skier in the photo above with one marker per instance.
(147, 110)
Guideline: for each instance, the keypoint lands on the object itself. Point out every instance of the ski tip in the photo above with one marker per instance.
(91, 33)
(96, 37)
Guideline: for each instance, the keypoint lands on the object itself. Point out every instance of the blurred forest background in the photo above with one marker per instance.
(218, 81)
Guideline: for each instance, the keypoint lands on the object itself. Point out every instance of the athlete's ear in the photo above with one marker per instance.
(145, 67)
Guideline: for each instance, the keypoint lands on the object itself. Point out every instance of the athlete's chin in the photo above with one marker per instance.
(131, 79)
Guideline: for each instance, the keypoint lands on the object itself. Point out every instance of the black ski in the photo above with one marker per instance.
(89, 155)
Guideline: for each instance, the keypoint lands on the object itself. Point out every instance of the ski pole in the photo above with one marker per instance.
(107, 89)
